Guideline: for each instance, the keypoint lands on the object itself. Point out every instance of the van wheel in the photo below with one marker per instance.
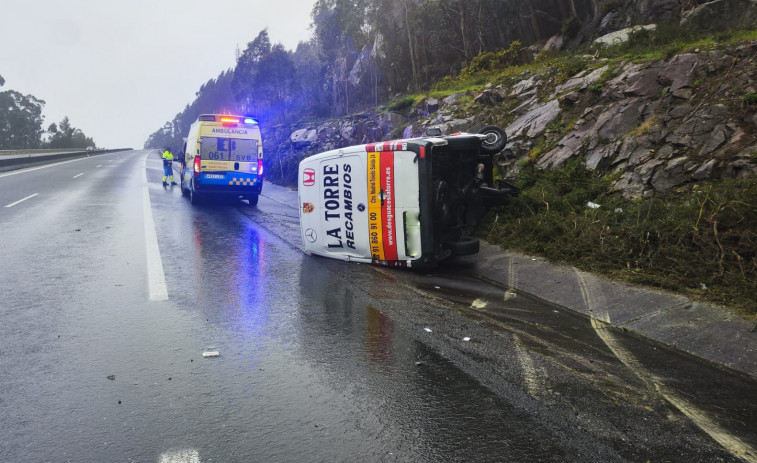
(495, 141)
(253, 199)
(184, 191)
(465, 246)
(194, 198)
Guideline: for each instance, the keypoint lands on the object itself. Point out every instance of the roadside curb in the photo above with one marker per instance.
(21, 161)
(704, 330)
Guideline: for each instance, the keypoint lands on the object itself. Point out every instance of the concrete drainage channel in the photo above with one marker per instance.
(20, 161)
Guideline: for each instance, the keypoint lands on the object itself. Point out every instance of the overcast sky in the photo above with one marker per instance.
(119, 69)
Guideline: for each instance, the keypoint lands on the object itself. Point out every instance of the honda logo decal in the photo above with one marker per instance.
(308, 177)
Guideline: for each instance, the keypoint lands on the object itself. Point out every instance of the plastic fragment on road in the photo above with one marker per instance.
(428, 330)
(466, 339)
(437, 287)
(112, 377)
(210, 353)
(592, 205)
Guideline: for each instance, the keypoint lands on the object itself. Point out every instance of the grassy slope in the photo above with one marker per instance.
(700, 242)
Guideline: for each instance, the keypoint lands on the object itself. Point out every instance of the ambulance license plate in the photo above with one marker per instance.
(220, 176)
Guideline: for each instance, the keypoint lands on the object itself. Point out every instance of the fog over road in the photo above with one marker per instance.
(113, 287)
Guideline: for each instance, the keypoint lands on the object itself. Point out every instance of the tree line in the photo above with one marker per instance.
(363, 53)
(21, 123)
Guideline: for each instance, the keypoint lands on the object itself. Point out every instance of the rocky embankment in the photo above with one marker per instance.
(655, 126)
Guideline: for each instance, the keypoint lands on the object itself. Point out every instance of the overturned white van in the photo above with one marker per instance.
(404, 203)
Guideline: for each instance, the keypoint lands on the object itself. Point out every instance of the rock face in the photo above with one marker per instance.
(667, 123)
(655, 126)
(721, 15)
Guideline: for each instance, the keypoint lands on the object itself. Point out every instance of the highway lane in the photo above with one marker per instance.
(97, 369)
(20, 185)
(319, 360)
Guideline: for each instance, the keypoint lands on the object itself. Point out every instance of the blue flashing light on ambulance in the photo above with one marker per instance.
(222, 157)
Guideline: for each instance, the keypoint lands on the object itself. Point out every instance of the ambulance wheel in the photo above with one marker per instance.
(464, 246)
(253, 199)
(184, 191)
(495, 141)
(194, 198)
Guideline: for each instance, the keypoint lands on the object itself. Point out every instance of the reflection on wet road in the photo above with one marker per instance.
(319, 360)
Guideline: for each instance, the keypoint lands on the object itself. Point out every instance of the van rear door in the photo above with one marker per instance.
(357, 205)
(333, 212)
(221, 153)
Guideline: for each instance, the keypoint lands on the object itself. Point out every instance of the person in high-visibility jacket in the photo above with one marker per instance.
(167, 169)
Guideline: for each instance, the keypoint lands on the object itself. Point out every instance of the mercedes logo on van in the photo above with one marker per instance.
(311, 235)
(308, 177)
(361, 207)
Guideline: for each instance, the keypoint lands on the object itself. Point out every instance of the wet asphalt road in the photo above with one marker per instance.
(110, 296)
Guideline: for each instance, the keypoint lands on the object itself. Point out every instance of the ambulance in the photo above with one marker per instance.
(403, 203)
(223, 156)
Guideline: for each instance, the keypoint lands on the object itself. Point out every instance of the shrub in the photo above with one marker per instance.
(570, 27)
(750, 98)
(490, 61)
(401, 103)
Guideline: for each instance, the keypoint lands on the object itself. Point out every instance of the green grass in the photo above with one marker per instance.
(701, 242)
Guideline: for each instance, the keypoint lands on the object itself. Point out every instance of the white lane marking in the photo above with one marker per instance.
(512, 282)
(79, 175)
(156, 278)
(529, 371)
(22, 200)
(601, 322)
(30, 169)
(180, 456)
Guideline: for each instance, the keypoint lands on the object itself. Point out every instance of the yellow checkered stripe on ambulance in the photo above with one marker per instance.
(242, 181)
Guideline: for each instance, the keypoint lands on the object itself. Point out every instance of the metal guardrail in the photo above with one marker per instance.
(39, 151)
(20, 161)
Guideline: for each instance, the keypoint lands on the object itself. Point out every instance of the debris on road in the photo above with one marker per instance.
(210, 353)
(466, 339)
(112, 377)
(428, 330)
(478, 304)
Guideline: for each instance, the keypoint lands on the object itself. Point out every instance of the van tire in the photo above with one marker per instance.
(464, 246)
(253, 199)
(496, 141)
(466, 144)
(194, 198)
(184, 191)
